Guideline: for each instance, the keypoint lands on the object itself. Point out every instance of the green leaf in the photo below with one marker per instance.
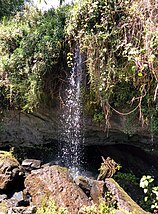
(140, 74)
(146, 198)
(133, 68)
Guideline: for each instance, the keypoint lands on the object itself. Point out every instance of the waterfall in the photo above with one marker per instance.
(71, 134)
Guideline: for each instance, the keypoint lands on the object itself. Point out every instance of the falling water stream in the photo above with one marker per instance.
(72, 120)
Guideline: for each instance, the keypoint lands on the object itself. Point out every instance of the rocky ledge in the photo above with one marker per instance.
(43, 126)
(25, 186)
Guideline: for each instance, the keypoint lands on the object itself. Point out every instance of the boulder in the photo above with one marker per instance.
(92, 188)
(9, 169)
(30, 164)
(18, 203)
(97, 191)
(101, 189)
(124, 201)
(56, 183)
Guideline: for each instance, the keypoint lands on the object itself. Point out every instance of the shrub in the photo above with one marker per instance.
(150, 191)
(50, 208)
(31, 46)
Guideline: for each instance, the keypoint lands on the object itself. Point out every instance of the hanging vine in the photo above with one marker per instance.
(119, 39)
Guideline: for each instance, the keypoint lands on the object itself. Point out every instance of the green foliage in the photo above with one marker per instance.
(119, 40)
(101, 209)
(4, 154)
(50, 208)
(150, 191)
(129, 177)
(89, 209)
(98, 116)
(8, 7)
(30, 52)
(109, 200)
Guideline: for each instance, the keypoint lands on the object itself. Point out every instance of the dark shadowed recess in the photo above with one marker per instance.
(131, 158)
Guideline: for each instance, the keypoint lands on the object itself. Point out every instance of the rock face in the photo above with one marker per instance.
(55, 182)
(124, 201)
(98, 190)
(37, 128)
(93, 188)
(9, 169)
(19, 128)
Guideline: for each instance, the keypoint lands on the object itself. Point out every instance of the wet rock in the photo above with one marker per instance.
(9, 169)
(56, 183)
(52, 163)
(30, 164)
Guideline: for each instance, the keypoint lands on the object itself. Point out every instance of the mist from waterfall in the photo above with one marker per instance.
(72, 136)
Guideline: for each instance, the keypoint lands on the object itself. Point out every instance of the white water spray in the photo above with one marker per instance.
(72, 121)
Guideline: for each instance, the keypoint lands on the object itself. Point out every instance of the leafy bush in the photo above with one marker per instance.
(30, 52)
(119, 40)
(10, 7)
(129, 177)
(101, 209)
(150, 191)
(108, 168)
(50, 208)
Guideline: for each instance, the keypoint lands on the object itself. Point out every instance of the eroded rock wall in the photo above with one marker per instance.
(42, 127)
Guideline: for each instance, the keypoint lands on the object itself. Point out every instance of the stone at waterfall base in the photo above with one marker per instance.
(9, 169)
(97, 190)
(55, 182)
